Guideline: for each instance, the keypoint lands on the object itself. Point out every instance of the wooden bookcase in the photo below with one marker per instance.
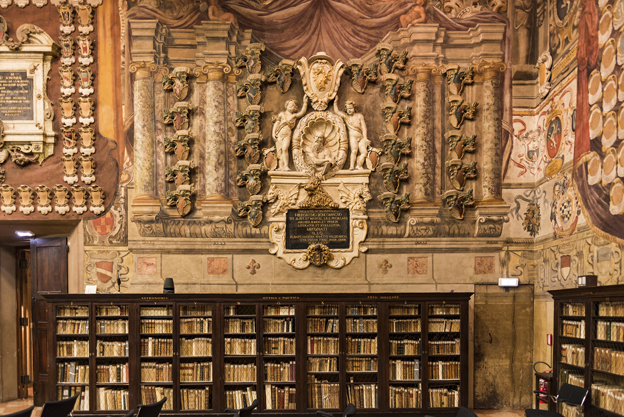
(589, 345)
(296, 353)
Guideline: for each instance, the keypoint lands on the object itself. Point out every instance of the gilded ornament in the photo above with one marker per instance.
(318, 254)
(61, 199)
(321, 79)
(394, 205)
(7, 199)
(250, 58)
(281, 75)
(66, 15)
(96, 199)
(361, 74)
(393, 174)
(317, 196)
(460, 111)
(44, 199)
(394, 89)
(87, 169)
(79, 199)
(252, 209)
(395, 147)
(26, 196)
(85, 81)
(177, 82)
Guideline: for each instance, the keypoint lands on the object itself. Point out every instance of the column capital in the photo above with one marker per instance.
(143, 69)
(491, 70)
(423, 70)
(214, 71)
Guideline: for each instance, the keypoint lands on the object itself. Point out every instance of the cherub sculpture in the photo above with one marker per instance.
(357, 134)
(416, 14)
(283, 125)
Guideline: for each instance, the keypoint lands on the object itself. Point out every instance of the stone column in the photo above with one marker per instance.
(216, 152)
(232, 136)
(144, 156)
(491, 113)
(423, 147)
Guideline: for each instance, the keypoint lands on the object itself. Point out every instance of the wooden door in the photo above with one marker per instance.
(24, 311)
(48, 259)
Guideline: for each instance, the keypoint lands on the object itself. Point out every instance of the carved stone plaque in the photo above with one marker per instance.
(16, 96)
(329, 227)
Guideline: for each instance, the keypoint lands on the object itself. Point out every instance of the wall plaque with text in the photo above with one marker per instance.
(16, 96)
(329, 227)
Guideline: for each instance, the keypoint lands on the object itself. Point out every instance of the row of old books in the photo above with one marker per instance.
(444, 370)
(363, 310)
(323, 345)
(279, 371)
(443, 397)
(572, 378)
(157, 311)
(151, 395)
(573, 309)
(573, 354)
(112, 326)
(608, 397)
(111, 310)
(405, 347)
(69, 348)
(440, 309)
(569, 410)
(279, 346)
(196, 372)
(361, 325)
(235, 346)
(82, 402)
(237, 310)
(322, 364)
(196, 399)
(362, 396)
(72, 327)
(321, 325)
(611, 309)
(404, 325)
(610, 330)
(112, 373)
(156, 326)
(201, 310)
(405, 397)
(323, 394)
(361, 364)
(245, 372)
(196, 325)
(72, 372)
(444, 325)
(240, 398)
(239, 326)
(280, 398)
(72, 311)
(156, 372)
(357, 346)
(404, 310)
(404, 370)
(323, 310)
(279, 310)
(444, 347)
(112, 399)
(609, 360)
(573, 328)
(104, 348)
(156, 347)
(279, 325)
(199, 346)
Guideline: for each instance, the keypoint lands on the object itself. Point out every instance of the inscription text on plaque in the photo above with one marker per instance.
(16, 96)
(326, 226)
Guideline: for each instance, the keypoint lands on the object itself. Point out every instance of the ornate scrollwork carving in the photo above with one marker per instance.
(393, 174)
(61, 199)
(281, 75)
(457, 79)
(394, 88)
(181, 200)
(395, 147)
(44, 199)
(321, 79)
(355, 200)
(250, 89)
(361, 74)
(180, 174)
(460, 111)
(7, 199)
(284, 200)
(457, 202)
(252, 209)
(96, 199)
(249, 119)
(79, 199)
(389, 60)
(459, 144)
(459, 172)
(179, 144)
(26, 196)
(177, 82)
(317, 196)
(394, 205)
(394, 117)
(249, 148)
(250, 178)
(250, 58)
(178, 116)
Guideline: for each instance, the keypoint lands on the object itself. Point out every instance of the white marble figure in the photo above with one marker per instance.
(319, 156)
(358, 139)
(282, 130)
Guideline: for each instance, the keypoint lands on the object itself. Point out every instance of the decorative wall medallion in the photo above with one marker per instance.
(318, 254)
(457, 79)
(7, 199)
(566, 209)
(87, 140)
(389, 60)
(355, 200)
(86, 107)
(321, 79)
(177, 82)
(393, 174)
(181, 200)
(178, 145)
(361, 74)
(250, 178)
(395, 147)
(67, 111)
(79, 199)
(394, 117)
(61, 199)
(395, 89)
(67, 50)
(69, 141)
(66, 14)
(96, 199)
(459, 172)
(281, 75)
(180, 174)
(394, 204)
(44, 199)
(284, 200)
(70, 169)
(460, 111)
(85, 45)
(249, 148)
(249, 119)
(85, 19)
(85, 81)
(252, 209)
(250, 58)
(457, 202)
(67, 79)
(250, 89)
(459, 144)
(554, 134)
(87, 168)
(178, 116)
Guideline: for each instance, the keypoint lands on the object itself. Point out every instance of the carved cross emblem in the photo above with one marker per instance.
(252, 266)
